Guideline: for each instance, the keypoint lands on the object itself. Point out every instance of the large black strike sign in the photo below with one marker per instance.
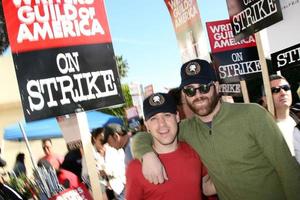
(63, 56)
(289, 57)
(250, 16)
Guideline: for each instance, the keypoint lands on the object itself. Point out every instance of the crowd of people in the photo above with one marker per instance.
(193, 145)
(240, 144)
(112, 154)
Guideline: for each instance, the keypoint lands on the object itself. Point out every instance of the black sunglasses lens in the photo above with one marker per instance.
(190, 91)
(276, 90)
(285, 87)
(203, 89)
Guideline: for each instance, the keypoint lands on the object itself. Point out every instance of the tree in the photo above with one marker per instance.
(120, 111)
(122, 67)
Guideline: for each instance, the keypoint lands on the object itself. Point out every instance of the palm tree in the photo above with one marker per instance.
(122, 66)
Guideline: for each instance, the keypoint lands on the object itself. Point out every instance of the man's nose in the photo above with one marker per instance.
(161, 121)
(198, 93)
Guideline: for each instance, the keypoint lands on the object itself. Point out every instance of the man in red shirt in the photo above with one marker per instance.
(182, 163)
(54, 159)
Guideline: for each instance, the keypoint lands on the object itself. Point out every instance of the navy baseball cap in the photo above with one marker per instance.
(158, 103)
(197, 71)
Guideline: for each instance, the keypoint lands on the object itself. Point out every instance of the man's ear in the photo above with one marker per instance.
(146, 125)
(177, 117)
(217, 85)
(116, 136)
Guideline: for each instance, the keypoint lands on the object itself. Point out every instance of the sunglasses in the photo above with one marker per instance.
(276, 90)
(203, 89)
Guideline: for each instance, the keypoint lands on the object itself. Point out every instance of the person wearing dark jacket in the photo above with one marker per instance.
(19, 167)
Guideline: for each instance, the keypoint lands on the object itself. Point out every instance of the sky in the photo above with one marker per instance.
(142, 32)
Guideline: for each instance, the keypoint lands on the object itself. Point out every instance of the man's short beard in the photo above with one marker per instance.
(210, 107)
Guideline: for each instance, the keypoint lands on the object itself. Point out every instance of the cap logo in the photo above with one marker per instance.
(156, 100)
(192, 68)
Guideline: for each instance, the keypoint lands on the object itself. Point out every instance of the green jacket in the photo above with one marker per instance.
(244, 151)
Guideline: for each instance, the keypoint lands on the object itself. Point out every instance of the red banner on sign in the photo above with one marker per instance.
(221, 37)
(188, 28)
(35, 25)
(184, 14)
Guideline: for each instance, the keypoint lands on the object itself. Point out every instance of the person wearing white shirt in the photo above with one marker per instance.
(117, 141)
(282, 98)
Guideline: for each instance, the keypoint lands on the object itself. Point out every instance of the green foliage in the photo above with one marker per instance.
(127, 96)
(122, 66)
(23, 185)
(120, 111)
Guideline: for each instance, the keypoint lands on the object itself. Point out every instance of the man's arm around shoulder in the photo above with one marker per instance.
(152, 168)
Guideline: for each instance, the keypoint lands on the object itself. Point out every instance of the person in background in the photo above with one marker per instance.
(286, 120)
(97, 138)
(240, 144)
(19, 167)
(72, 162)
(296, 110)
(182, 163)
(135, 125)
(54, 159)
(65, 177)
(119, 138)
(115, 139)
(182, 107)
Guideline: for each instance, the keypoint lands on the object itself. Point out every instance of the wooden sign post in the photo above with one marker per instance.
(265, 74)
(76, 126)
(245, 91)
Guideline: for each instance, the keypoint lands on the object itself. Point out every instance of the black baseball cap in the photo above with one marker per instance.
(158, 103)
(197, 71)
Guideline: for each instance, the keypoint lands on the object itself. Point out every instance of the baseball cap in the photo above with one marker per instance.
(158, 103)
(197, 71)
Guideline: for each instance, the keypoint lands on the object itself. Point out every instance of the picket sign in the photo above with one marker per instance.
(245, 91)
(265, 73)
(76, 126)
(79, 193)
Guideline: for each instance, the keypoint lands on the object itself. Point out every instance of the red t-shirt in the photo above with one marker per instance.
(67, 178)
(184, 170)
(54, 160)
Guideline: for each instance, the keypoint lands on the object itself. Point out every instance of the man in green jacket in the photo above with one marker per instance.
(240, 144)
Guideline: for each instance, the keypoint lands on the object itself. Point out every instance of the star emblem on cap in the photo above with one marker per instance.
(192, 68)
(156, 100)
